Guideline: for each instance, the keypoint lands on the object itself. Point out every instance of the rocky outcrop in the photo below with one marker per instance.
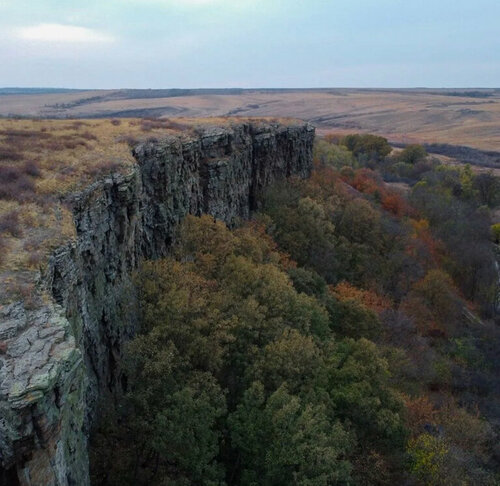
(57, 359)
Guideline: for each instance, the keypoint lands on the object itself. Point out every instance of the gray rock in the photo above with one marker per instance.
(57, 360)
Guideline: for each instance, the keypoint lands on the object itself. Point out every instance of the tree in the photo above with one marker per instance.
(358, 384)
(350, 318)
(331, 155)
(185, 433)
(284, 440)
(412, 154)
(305, 230)
(307, 281)
(368, 298)
(467, 180)
(453, 451)
(428, 455)
(438, 294)
(182, 308)
(359, 222)
(372, 147)
(488, 189)
(292, 358)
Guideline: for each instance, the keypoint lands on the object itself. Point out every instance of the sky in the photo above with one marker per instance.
(249, 43)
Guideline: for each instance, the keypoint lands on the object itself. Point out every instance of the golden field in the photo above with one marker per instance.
(463, 117)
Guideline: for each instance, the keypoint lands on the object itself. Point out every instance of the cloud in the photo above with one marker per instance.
(195, 3)
(62, 34)
(185, 3)
(202, 4)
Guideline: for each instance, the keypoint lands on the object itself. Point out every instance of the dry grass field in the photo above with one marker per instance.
(460, 117)
(43, 160)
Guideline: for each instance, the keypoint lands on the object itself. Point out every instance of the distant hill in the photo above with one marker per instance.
(21, 91)
(458, 116)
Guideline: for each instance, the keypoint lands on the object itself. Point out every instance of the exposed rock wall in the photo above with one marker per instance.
(57, 360)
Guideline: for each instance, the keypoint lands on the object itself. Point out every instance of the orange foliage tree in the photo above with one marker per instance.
(370, 299)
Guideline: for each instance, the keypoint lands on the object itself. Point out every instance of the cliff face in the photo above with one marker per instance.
(57, 360)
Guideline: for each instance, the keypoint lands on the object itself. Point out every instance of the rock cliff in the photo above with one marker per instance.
(57, 359)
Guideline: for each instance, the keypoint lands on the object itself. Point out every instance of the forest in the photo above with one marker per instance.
(347, 335)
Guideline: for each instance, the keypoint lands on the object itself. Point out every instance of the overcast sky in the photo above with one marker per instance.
(249, 43)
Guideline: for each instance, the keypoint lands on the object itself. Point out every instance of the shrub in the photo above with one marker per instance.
(15, 184)
(35, 259)
(9, 223)
(7, 153)
(130, 140)
(102, 168)
(495, 233)
(76, 125)
(87, 135)
(9, 174)
(31, 168)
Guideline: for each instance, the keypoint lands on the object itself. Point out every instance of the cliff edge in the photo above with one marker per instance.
(58, 358)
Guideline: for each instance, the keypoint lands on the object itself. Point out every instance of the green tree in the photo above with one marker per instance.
(292, 358)
(467, 181)
(428, 455)
(495, 233)
(306, 231)
(371, 146)
(358, 384)
(328, 154)
(412, 154)
(487, 187)
(350, 318)
(283, 440)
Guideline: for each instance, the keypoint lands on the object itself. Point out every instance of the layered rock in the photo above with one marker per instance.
(56, 360)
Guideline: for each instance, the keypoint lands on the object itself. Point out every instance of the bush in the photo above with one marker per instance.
(10, 154)
(330, 155)
(9, 223)
(32, 169)
(495, 233)
(372, 147)
(412, 154)
(16, 186)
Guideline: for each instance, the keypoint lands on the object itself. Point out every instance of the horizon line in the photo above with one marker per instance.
(248, 88)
